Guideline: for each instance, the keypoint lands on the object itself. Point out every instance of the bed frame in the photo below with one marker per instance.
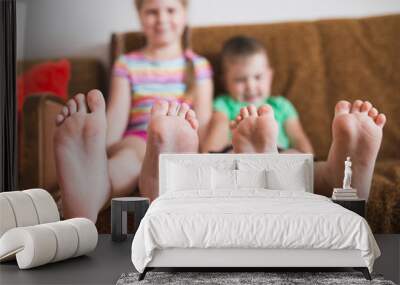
(242, 259)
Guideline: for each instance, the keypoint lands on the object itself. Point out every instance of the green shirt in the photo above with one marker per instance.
(282, 107)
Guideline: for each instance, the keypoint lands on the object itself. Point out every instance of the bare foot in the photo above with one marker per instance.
(172, 129)
(356, 132)
(80, 153)
(255, 131)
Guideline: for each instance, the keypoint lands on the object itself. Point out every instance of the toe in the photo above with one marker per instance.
(183, 110)
(380, 120)
(252, 110)
(59, 119)
(342, 107)
(244, 113)
(237, 119)
(65, 111)
(356, 106)
(366, 107)
(191, 118)
(80, 101)
(173, 108)
(373, 113)
(95, 101)
(264, 109)
(72, 108)
(233, 124)
(160, 107)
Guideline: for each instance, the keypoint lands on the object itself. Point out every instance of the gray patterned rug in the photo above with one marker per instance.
(228, 278)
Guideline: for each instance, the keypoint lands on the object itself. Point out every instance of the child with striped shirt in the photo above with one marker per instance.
(100, 155)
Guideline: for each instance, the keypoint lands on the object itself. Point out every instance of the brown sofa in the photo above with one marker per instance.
(316, 64)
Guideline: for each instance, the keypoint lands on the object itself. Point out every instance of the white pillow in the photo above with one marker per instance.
(252, 178)
(188, 177)
(229, 179)
(224, 179)
(281, 174)
(292, 180)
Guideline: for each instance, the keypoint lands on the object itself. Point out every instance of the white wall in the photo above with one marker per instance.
(61, 28)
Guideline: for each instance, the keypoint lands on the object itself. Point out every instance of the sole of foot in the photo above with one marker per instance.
(172, 129)
(80, 153)
(356, 132)
(255, 131)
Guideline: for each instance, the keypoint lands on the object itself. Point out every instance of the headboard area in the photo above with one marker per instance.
(210, 172)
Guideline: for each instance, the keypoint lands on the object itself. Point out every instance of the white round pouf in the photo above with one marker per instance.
(23, 208)
(6, 215)
(87, 234)
(33, 246)
(41, 244)
(67, 240)
(31, 232)
(45, 205)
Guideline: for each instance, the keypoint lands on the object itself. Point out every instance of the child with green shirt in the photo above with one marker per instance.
(247, 79)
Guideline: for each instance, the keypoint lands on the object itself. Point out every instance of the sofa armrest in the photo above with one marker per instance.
(37, 165)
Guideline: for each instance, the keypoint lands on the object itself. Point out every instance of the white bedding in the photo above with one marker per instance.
(252, 218)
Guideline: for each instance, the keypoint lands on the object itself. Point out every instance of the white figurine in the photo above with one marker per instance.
(347, 174)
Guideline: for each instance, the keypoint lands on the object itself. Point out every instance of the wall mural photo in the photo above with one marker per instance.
(168, 119)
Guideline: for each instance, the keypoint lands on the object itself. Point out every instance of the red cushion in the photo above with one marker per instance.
(49, 76)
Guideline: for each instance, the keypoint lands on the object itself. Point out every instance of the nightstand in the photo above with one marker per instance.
(357, 206)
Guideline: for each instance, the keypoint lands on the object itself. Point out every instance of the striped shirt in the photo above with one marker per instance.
(152, 80)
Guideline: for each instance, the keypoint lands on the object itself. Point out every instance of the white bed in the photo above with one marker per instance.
(236, 210)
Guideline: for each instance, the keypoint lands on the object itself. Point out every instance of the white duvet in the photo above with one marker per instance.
(252, 218)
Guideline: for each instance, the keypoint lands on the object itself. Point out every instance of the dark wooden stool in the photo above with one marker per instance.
(119, 209)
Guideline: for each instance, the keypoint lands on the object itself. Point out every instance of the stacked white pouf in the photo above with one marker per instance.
(31, 230)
